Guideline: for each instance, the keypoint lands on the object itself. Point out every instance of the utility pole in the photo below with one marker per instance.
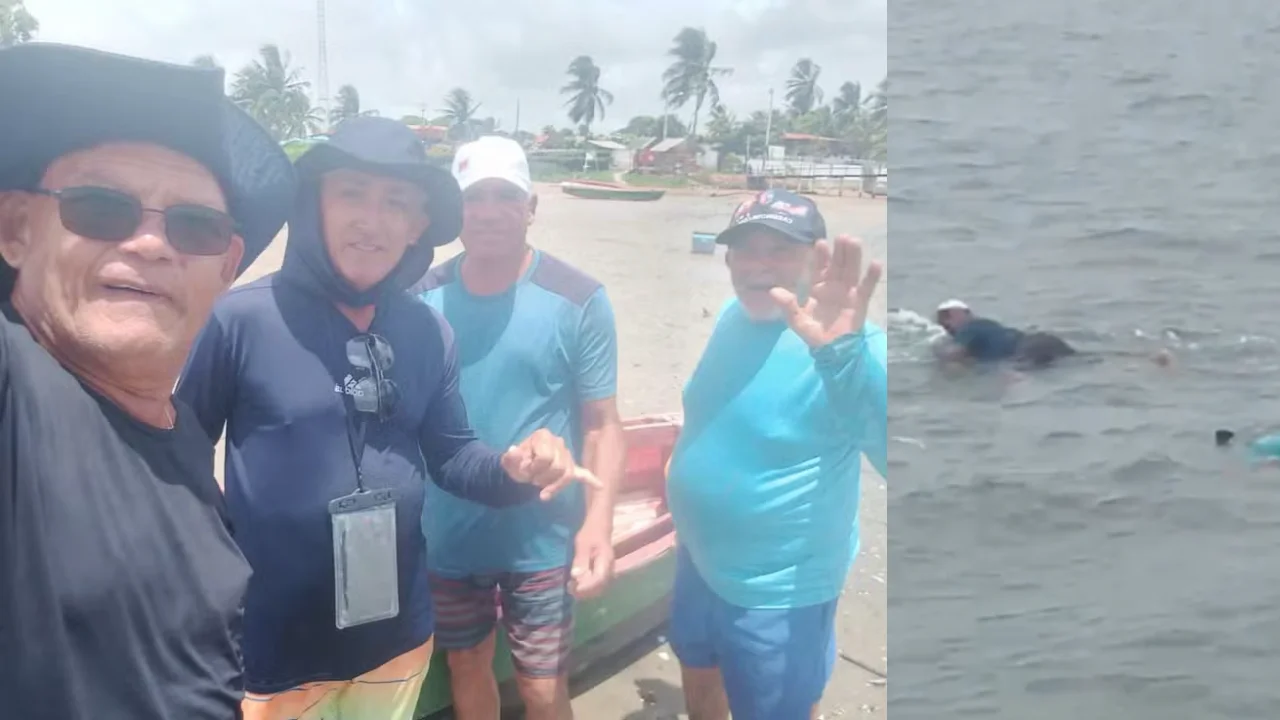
(516, 131)
(322, 67)
(768, 126)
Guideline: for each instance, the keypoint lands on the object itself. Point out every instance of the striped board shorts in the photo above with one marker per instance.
(536, 610)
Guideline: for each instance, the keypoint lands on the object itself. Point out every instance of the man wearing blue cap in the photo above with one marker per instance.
(790, 393)
(132, 193)
(339, 395)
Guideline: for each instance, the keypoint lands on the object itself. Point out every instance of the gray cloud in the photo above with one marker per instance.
(404, 54)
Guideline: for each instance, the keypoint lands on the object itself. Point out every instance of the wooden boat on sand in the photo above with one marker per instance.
(596, 190)
(636, 603)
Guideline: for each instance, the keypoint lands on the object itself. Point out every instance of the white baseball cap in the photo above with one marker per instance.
(953, 304)
(492, 156)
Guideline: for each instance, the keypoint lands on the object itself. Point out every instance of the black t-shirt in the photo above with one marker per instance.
(120, 585)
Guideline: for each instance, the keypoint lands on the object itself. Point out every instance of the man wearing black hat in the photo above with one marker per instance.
(132, 193)
(339, 394)
(790, 393)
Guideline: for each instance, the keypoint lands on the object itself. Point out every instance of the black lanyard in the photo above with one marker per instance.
(355, 430)
(355, 438)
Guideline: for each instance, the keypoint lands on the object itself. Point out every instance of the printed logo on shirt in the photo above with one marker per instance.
(350, 386)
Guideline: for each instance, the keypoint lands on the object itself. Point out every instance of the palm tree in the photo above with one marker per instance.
(17, 25)
(721, 125)
(588, 100)
(458, 112)
(878, 120)
(878, 102)
(692, 75)
(347, 106)
(848, 104)
(276, 95)
(803, 93)
(207, 62)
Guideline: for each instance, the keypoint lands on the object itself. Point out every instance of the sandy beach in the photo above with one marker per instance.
(666, 299)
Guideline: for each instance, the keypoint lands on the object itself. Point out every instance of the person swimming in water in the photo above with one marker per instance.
(983, 340)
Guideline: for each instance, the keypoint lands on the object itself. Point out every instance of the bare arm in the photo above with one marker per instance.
(604, 452)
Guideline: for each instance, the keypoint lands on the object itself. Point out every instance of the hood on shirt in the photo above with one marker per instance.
(378, 146)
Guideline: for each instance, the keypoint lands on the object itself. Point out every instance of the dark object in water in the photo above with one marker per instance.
(1222, 438)
(1041, 349)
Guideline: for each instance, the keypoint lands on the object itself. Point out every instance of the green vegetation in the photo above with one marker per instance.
(692, 76)
(347, 105)
(587, 97)
(17, 25)
(459, 114)
(271, 89)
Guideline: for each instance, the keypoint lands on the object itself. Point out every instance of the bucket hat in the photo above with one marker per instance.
(382, 146)
(64, 98)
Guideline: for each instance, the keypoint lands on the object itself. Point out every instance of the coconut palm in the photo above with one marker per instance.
(588, 100)
(878, 120)
(347, 105)
(721, 125)
(803, 93)
(275, 94)
(692, 76)
(17, 25)
(848, 104)
(878, 103)
(458, 112)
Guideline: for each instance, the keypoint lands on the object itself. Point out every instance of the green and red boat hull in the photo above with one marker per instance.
(591, 190)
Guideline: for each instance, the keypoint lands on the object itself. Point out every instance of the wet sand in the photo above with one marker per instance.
(666, 298)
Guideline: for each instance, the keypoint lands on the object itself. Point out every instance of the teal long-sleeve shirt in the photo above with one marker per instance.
(764, 481)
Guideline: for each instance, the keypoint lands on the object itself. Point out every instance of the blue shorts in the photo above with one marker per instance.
(775, 663)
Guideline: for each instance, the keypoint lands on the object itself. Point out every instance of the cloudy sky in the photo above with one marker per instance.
(403, 55)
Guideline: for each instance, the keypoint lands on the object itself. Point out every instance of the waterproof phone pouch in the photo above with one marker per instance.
(366, 580)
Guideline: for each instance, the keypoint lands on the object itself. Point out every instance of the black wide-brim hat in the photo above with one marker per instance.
(382, 146)
(60, 99)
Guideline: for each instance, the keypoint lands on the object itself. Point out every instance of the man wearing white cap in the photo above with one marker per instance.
(985, 340)
(538, 349)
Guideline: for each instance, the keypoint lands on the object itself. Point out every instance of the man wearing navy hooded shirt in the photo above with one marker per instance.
(337, 387)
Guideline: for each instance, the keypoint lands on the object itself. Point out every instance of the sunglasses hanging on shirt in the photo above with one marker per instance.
(374, 393)
(365, 568)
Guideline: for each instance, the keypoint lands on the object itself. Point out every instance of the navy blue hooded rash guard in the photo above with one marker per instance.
(271, 367)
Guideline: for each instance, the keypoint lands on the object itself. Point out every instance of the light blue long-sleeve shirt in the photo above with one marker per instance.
(764, 482)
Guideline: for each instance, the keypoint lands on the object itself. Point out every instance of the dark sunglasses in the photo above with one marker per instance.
(374, 393)
(108, 215)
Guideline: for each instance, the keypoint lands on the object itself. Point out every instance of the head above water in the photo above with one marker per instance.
(497, 196)
(377, 208)
(132, 194)
(952, 315)
(770, 244)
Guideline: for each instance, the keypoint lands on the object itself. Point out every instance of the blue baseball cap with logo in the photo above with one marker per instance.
(795, 217)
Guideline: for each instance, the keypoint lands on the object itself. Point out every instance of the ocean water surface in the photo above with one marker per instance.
(1071, 544)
